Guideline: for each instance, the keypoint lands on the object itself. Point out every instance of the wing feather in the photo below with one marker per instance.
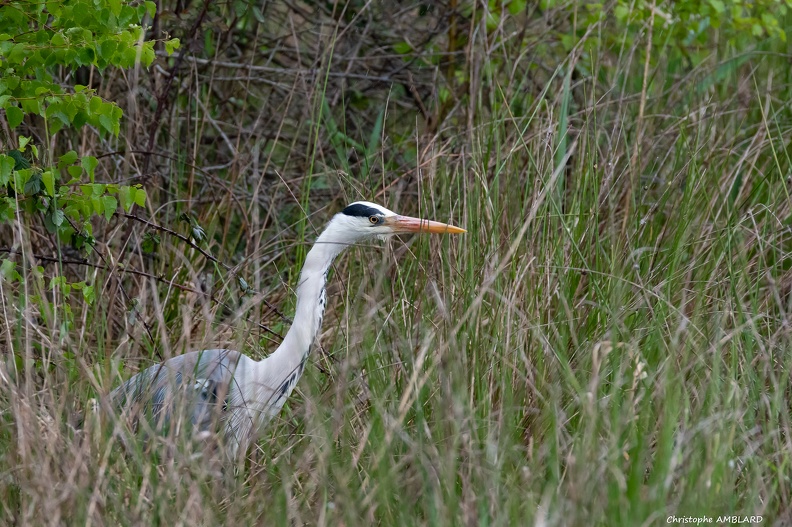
(195, 388)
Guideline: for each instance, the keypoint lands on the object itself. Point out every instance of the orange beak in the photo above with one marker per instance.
(402, 224)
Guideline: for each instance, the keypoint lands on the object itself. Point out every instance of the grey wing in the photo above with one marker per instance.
(192, 388)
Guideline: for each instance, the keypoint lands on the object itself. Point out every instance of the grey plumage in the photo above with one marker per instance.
(184, 391)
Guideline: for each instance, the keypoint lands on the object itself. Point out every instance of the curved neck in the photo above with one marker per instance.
(311, 301)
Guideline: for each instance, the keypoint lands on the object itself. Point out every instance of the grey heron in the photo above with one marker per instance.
(224, 391)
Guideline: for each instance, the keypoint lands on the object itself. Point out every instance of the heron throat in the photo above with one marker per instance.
(291, 355)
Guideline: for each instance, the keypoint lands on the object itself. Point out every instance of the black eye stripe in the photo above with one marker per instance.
(360, 210)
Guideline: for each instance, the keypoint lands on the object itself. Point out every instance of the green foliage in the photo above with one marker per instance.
(37, 38)
(58, 193)
(197, 232)
(8, 271)
(65, 288)
(689, 22)
(39, 43)
(686, 24)
(151, 242)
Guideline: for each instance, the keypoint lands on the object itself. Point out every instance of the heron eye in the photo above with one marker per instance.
(374, 219)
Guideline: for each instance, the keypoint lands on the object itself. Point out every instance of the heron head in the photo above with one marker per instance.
(363, 219)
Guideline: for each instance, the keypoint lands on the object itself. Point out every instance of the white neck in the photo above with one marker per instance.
(311, 301)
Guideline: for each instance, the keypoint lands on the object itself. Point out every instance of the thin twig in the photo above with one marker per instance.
(180, 236)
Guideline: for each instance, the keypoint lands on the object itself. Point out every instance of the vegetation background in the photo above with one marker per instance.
(608, 345)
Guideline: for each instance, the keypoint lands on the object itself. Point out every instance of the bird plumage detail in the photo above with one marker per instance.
(224, 390)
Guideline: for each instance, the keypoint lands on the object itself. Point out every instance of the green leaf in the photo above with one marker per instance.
(198, 233)
(74, 171)
(110, 205)
(107, 49)
(125, 195)
(402, 48)
(147, 53)
(57, 217)
(718, 6)
(11, 82)
(20, 162)
(140, 197)
(68, 158)
(95, 105)
(151, 241)
(31, 106)
(86, 56)
(89, 294)
(14, 116)
(18, 53)
(6, 167)
(258, 14)
(107, 123)
(240, 7)
(59, 282)
(33, 185)
(517, 6)
(172, 45)
(8, 271)
(48, 178)
(7, 209)
(89, 164)
(57, 40)
(95, 189)
(115, 6)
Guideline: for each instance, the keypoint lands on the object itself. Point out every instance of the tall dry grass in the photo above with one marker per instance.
(609, 343)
